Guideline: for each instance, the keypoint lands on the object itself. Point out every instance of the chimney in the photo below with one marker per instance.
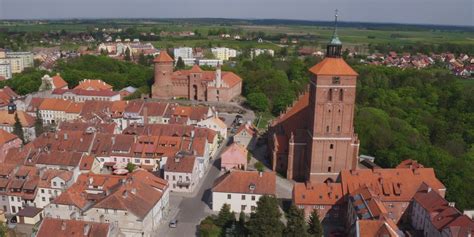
(87, 228)
(260, 174)
(429, 189)
(63, 225)
(145, 115)
(113, 140)
(65, 136)
(91, 180)
(218, 76)
(134, 191)
(125, 194)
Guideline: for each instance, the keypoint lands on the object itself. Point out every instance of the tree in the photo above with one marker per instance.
(142, 60)
(131, 167)
(240, 229)
(265, 221)
(296, 224)
(314, 225)
(207, 228)
(259, 166)
(225, 218)
(3, 230)
(128, 56)
(38, 124)
(258, 101)
(18, 129)
(180, 64)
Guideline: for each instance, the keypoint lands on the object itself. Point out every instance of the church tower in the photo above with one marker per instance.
(332, 144)
(163, 86)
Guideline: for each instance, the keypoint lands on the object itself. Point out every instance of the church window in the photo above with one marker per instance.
(327, 128)
(330, 158)
(330, 95)
(338, 128)
(336, 80)
(331, 146)
(341, 95)
(329, 169)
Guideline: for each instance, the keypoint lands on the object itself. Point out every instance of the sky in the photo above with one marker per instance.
(438, 12)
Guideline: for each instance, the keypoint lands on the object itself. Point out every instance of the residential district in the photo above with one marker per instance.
(158, 166)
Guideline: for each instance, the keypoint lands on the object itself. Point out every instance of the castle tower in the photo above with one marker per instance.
(163, 87)
(332, 144)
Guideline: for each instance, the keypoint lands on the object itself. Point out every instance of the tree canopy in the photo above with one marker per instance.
(265, 221)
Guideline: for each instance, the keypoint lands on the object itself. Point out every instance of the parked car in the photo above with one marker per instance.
(173, 224)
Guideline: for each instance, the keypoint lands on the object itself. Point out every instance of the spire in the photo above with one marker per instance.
(335, 45)
(335, 39)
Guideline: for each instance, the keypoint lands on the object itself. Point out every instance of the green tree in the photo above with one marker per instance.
(225, 218)
(3, 230)
(142, 60)
(258, 101)
(241, 230)
(180, 64)
(128, 56)
(207, 228)
(18, 129)
(259, 166)
(131, 167)
(314, 225)
(39, 129)
(296, 224)
(265, 221)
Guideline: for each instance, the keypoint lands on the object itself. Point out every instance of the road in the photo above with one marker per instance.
(190, 209)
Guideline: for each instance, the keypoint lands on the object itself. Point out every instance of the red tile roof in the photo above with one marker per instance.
(183, 164)
(6, 137)
(89, 84)
(163, 57)
(72, 228)
(59, 82)
(317, 194)
(26, 120)
(333, 66)
(237, 181)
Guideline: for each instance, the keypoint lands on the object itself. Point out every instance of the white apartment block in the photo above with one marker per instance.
(257, 52)
(26, 57)
(5, 69)
(224, 53)
(210, 62)
(183, 52)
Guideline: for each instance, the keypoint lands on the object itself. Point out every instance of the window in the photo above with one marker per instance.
(327, 128)
(341, 95)
(43, 199)
(253, 198)
(329, 169)
(42, 190)
(330, 158)
(253, 208)
(174, 178)
(330, 95)
(338, 128)
(243, 197)
(229, 196)
(54, 183)
(336, 80)
(331, 146)
(242, 208)
(13, 209)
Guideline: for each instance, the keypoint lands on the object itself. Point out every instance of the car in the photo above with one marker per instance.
(173, 224)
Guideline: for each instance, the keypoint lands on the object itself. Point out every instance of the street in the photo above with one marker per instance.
(190, 209)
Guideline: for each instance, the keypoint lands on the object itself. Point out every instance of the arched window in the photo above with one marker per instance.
(329, 169)
(331, 146)
(327, 128)
(338, 128)
(341, 95)
(330, 95)
(330, 158)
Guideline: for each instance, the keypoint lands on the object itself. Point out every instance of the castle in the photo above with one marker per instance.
(193, 84)
(314, 139)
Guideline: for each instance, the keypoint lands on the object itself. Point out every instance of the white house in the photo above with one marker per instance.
(242, 190)
(215, 124)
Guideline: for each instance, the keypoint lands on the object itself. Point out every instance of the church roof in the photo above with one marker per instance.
(333, 66)
(163, 57)
(196, 69)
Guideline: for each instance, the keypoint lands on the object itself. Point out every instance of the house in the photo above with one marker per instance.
(7, 95)
(434, 216)
(368, 217)
(75, 228)
(215, 124)
(51, 83)
(7, 141)
(30, 215)
(81, 95)
(54, 110)
(234, 157)
(136, 203)
(326, 198)
(7, 122)
(242, 190)
(246, 135)
(51, 184)
(181, 171)
(97, 85)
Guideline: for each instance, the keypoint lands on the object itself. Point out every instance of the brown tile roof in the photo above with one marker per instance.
(49, 174)
(317, 194)
(196, 69)
(6, 137)
(29, 211)
(244, 181)
(399, 184)
(6, 94)
(84, 92)
(163, 57)
(231, 79)
(376, 228)
(55, 104)
(83, 126)
(59, 82)
(184, 164)
(34, 104)
(89, 84)
(26, 120)
(154, 109)
(61, 158)
(333, 66)
(248, 128)
(72, 228)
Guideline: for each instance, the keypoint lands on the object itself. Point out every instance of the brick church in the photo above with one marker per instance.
(314, 139)
(193, 84)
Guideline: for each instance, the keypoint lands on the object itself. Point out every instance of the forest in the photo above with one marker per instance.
(426, 115)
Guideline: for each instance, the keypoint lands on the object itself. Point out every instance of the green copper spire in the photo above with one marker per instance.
(335, 39)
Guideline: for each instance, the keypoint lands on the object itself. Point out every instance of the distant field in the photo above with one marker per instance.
(356, 35)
